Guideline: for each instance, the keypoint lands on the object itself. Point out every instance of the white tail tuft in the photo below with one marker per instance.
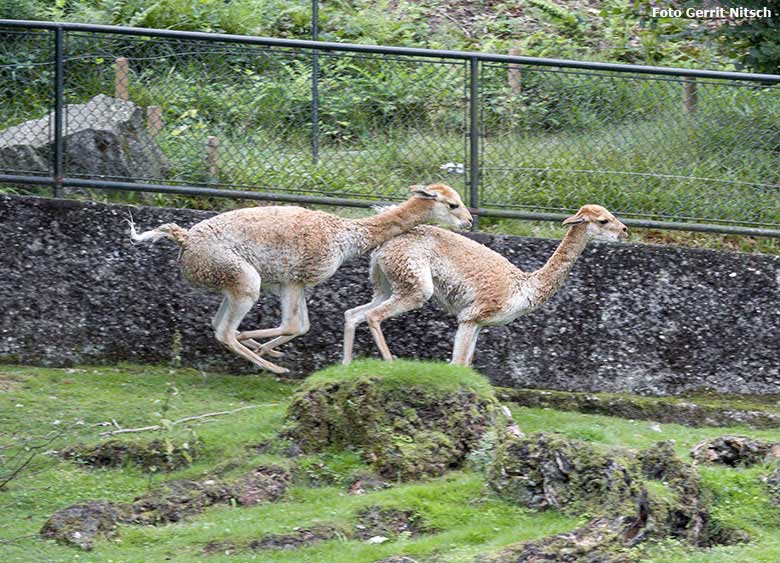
(168, 231)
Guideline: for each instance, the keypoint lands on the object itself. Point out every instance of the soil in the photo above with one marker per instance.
(156, 455)
(79, 524)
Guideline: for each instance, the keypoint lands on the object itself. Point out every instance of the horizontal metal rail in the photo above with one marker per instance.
(408, 51)
(345, 202)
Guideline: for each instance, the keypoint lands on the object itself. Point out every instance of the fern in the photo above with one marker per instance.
(558, 13)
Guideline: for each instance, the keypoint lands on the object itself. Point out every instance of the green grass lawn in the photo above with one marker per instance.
(468, 519)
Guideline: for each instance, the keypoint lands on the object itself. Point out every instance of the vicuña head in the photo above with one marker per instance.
(600, 223)
(448, 208)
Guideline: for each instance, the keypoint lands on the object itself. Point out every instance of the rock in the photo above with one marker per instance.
(397, 559)
(104, 138)
(547, 471)
(156, 455)
(735, 451)
(598, 541)
(408, 430)
(635, 495)
(81, 523)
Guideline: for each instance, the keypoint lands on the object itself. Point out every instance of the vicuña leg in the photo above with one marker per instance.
(295, 319)
(391, 308)
(249, 343)
(240, 299)
(465, 343)
(352, 318)
(290, 299)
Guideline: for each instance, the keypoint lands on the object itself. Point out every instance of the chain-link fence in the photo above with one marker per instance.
(181, 114)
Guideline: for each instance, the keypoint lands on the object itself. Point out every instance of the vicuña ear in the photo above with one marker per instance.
(422, 192)
(574, 220)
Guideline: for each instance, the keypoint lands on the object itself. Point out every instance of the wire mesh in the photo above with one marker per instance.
(27, 94)
(646, 147)
(226, 115)
(222, 113)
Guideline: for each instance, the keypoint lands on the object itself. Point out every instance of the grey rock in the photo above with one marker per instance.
(634, 318)
(103, 138)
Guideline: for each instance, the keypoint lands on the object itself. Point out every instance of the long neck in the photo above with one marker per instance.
(378, 229)
(550, 277)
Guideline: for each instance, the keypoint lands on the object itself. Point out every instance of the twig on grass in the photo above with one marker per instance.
(180, 421)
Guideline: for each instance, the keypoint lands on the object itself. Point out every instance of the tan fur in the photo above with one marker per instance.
(472, 282)
(284, 250)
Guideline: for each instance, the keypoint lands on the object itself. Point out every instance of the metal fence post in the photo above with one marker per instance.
(474, 179)
(59, 105)
(315, 84)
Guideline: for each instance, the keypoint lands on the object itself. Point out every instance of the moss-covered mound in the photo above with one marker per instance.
(636, 495)
(410, 419)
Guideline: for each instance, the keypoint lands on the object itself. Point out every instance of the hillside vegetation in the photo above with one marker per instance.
(559, 141)
(452, 518)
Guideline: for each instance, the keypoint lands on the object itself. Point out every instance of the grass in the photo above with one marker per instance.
(468, 518)
(406, 374)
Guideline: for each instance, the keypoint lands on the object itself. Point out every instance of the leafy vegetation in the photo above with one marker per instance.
(468, 520)
(562, 139)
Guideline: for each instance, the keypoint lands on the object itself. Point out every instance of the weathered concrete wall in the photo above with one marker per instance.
(639, 318)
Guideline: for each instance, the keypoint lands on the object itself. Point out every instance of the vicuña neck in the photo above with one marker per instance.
(378, 229)
(550, 277)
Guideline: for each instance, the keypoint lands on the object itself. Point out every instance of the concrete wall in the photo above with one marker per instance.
(639, 318)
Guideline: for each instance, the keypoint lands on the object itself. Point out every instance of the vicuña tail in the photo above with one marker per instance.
(170, 231)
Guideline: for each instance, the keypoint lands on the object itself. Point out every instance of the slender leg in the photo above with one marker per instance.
(465, 343)
(290, 296)
(249, 343)
(391, 308)
(239, 301)
(215, 320)
(352, 319)
(297, 325)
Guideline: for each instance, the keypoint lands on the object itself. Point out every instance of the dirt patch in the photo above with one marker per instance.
(668, 410)
(407, 432)
(157, 455)
(299, 537)
(373, 522)
(79, 524)
(736, 451)
(9, 382)
(389, 523)
(173, 501)
(264, 484)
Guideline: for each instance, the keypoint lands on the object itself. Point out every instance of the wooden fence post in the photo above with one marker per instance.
(690, 95)
(154, 120)
(212, 157)
(122, 79)
(515, 75)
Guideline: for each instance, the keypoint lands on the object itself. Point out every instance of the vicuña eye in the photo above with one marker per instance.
(604, 221)
(454, 205)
